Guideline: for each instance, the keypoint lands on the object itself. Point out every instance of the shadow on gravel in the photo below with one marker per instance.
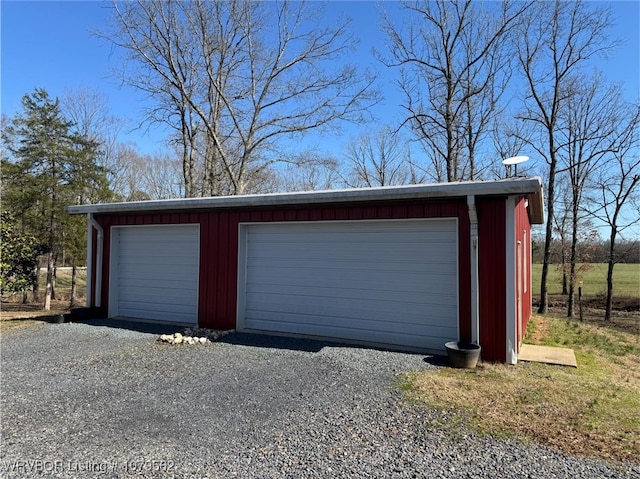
(246, 339)
(139, 326)
(279, 342)
(312, 345)
(435, 360)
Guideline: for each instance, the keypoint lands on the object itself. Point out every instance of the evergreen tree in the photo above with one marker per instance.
(19, 253)
(51, 167)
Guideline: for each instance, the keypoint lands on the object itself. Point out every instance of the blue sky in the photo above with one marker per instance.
(50, 45)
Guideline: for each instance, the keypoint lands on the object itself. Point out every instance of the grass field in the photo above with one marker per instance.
(626, 279)
(592, 410)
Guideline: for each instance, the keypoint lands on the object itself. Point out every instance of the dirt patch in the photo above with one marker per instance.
(538, 332)
(13, 315)
(625, 316)
(9, 310)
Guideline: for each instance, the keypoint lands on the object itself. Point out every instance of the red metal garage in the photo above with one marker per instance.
(407, 267)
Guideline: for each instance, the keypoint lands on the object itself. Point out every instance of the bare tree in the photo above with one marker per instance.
(127, 174)
(455, 68)
(588, 130)
(161, 177)
(555, 40)
(91, 115)
(377, 159)
(561, 222)
(309, 172)
(615, 187)
(242, 74)
(509, 139)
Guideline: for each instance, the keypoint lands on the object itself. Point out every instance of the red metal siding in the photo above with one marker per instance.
(219, 246)
(492, 277)
(523, 235)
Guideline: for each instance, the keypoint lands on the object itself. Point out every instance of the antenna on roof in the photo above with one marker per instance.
(515, 161)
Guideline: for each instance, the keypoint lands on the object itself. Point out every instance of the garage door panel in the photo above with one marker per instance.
(182, 296)
(432, 341)
(148, 311)
(389, 281)
(355, 227)
(164, 286)
(437, 265)
(429, 299)
(157, 270)
(354, 280)
(355, 247)
(172, 251)
(295, 242)
(378, 309)
(140, 305)
(389, 320)
(311, 293)
(157, 233)
(171, 261)
(272, 320)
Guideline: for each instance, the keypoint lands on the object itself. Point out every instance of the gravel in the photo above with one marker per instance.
(84, 401)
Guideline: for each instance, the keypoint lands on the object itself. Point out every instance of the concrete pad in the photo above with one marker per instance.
(548, 355)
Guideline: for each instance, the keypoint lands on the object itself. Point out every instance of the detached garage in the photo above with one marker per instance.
(408, 267)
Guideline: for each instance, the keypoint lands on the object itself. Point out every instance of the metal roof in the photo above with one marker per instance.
(531, 187)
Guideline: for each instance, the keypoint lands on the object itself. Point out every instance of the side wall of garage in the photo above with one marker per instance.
(217, 304)
(523, 264)
(492, 277)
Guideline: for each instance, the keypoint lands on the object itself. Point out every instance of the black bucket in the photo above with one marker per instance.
(463, 355)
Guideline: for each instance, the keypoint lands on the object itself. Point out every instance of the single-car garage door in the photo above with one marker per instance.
(393, 282)
(154, 272)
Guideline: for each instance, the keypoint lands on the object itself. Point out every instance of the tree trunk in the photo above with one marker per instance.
(36, 285)
(610, 265)
(572, 290)
(25, 297)
(53, 282)
(573, 257)
(544, 300)
(74, 286)
(49, 289)
(564, 271)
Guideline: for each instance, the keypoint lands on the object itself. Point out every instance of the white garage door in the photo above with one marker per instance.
(154, 272)
(393, 282)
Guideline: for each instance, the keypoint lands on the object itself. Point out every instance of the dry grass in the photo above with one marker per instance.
(15, 314)
(593, 410)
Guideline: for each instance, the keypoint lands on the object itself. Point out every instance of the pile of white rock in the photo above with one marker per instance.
(194, 336)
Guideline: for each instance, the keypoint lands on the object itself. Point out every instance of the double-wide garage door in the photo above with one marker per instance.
(154, 272)
(393, 282)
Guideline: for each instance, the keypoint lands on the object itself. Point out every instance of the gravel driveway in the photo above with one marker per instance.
(87, 401)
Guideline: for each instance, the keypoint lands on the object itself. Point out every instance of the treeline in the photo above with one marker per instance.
(596, 252)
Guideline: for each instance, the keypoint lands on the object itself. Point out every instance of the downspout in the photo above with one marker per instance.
(92, 223)
(475, 297)
(89, 292)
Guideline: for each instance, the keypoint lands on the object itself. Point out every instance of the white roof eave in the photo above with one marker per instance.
(532, 187)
